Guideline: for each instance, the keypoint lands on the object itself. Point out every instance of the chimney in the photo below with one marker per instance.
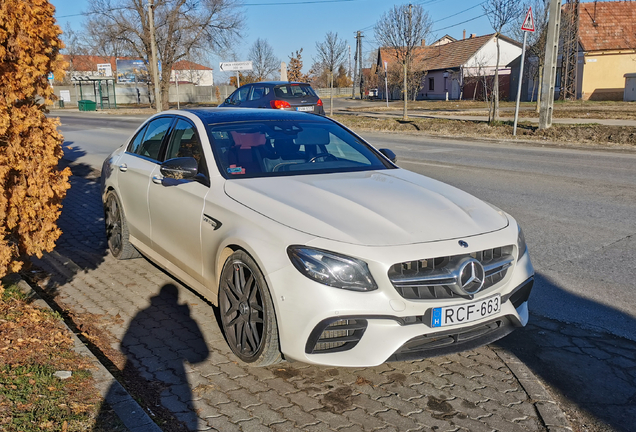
(464, 37)
(423, 42)
(473, 35)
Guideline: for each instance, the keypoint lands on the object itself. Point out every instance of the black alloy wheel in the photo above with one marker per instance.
(247, 313)
(117, 229)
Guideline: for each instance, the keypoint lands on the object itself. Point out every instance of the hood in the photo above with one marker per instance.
(374, 208)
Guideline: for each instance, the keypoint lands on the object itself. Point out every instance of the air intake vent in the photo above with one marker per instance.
(335, 335)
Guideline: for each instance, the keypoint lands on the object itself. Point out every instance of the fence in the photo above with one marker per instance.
(130, 94)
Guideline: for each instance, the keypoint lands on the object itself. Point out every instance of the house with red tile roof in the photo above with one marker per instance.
(607, 48)
(186, 72)
(451, 69)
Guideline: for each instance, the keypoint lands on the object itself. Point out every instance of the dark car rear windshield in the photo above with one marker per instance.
(294, 90)
(276, 148)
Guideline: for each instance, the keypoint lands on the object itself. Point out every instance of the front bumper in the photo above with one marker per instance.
(381, 325)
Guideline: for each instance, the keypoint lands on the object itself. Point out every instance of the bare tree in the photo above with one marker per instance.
(402, 29)
(182, 27)
(331, 54)
(264, 62)
(500, 13)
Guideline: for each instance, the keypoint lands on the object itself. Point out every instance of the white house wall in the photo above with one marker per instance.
(196, 77)
(486, 56)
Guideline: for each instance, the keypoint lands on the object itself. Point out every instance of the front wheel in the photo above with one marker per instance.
(117, 229)
(247, 312)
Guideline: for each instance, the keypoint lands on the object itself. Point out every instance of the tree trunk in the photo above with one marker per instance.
(495, 95)
(331, 95)
(539, 92)
(406, 97)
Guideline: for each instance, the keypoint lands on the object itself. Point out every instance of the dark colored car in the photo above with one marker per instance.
(289, 96)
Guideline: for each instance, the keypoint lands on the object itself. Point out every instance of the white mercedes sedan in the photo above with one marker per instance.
(314, 245)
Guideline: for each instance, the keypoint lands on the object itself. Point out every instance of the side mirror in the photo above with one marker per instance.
(389, 154)
(183, 168)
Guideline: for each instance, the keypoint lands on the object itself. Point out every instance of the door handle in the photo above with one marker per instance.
(123, 167)
(157, 179)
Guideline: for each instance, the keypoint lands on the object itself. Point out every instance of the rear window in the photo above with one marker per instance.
(294, 90)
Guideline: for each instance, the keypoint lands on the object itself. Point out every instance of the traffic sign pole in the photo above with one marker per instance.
(527, 26)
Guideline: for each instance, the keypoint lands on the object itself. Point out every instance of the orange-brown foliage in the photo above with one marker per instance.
(31, 185)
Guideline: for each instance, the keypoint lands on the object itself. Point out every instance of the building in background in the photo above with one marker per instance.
(451, 69)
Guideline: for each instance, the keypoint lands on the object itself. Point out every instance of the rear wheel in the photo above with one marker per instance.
(117, 229)
(247, 312)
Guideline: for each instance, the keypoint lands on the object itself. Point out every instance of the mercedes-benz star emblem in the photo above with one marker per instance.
(469, 276)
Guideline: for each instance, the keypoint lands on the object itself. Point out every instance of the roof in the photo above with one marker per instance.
(447, 56)
(88, 63)
(188, 65)
(607, 25)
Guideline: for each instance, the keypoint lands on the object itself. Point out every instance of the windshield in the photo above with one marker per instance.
(294, 90)
(275, 148)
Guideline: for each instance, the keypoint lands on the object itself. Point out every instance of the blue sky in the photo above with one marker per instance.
(289, 25)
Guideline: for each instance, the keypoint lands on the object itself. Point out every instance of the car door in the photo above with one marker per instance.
(136, 167)
(257, 97)
(176, 206)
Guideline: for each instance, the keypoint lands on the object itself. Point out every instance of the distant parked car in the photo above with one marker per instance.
(289, 96)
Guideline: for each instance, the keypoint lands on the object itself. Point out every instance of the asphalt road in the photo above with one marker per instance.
(577, 208)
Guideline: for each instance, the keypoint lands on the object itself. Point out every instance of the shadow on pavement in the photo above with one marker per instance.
(594, 372)
(158, 342)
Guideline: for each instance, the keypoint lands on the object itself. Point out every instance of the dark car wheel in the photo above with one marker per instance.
(247, 312)
(117, 229)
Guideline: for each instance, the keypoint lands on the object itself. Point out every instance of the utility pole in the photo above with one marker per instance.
(360, 65)
(549, 70)
(355, 67)
(153, 49)
(570, 54)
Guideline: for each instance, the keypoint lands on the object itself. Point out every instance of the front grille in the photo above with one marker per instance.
(429, 279)
(335, 336)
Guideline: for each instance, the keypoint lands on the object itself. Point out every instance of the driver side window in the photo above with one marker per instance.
(184, 142)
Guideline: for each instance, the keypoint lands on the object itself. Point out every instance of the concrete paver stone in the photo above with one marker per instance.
(171, 335)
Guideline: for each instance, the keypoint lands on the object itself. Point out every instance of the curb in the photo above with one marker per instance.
(548, 410)
(127, 409)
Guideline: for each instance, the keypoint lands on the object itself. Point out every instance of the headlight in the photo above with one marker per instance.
(332, 269)
(522, 248)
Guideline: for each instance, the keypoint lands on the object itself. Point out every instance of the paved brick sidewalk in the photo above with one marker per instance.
(170, 337)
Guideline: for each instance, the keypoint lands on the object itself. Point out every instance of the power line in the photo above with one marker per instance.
(459, 23)
(460, 12)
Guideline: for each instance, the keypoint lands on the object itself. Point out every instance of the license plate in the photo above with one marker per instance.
(465, 313)
(305, 108)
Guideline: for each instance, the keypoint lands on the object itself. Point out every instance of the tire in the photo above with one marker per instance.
(117, 229)
(247, 312)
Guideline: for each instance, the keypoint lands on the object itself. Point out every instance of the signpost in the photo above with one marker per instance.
(527, 26)
(235, 66)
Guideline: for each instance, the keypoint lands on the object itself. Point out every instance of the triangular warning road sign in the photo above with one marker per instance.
(528, 23)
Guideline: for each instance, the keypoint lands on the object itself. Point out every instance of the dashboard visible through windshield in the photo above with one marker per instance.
(274, 148)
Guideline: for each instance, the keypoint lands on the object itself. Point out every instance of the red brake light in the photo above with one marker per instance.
(279, 104)
(319, 103)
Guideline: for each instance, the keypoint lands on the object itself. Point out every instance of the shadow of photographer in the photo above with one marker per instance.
(158, 343)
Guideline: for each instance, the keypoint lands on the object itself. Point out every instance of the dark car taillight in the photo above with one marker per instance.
(319, 103)
(279, 104)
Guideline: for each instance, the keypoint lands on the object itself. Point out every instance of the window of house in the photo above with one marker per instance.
(431, 84)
